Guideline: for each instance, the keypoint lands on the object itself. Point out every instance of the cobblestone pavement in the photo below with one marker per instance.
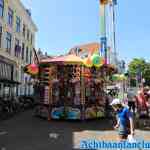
(25, 132)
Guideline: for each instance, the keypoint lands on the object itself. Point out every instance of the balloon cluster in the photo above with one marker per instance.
(32, 69)
(94, 60)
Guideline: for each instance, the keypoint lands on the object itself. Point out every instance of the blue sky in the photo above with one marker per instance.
(63, 24)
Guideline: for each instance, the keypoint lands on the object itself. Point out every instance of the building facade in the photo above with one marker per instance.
(114, 59)
(17, 41)
(85, 50)
(42, 55)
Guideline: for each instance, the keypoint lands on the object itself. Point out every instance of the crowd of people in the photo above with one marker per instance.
(139, 102)
(135, 103)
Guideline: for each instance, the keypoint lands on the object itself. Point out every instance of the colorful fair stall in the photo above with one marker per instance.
(72, 88)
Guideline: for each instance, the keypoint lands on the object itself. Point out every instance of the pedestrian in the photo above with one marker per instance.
(148, 101)
(142, 103)
(125, 123)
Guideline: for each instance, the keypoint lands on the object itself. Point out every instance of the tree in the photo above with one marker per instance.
(135, 65)
(139, 66)
(146, 73)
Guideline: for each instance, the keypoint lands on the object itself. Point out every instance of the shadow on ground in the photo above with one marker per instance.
(25, 132)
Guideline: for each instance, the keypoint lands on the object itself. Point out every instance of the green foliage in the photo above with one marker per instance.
(140, 64)
(132, 82)
(136, 64)
(146, 73)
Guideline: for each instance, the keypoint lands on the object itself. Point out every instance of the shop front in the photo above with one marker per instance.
(8, 86)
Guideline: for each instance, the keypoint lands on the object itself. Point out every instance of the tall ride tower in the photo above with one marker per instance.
(105, 15)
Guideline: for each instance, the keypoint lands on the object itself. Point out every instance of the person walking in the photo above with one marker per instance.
(142, 103)
(125, 123)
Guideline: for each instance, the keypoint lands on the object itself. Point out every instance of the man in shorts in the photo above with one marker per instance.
(125, 123)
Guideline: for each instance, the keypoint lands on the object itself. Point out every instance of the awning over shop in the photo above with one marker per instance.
(9, 81)
(68, 59)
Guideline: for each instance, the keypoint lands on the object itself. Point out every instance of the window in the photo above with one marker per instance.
(31, 39)
(10, 16)
(22, 74)
(1, 31)
(27, 53)
(77, 51)
(18, 24)
(26, 81)
(17, 48)
(8, 42)
(1, 8)
(30, 57)
(24, 30)
(22, 54)
(1, 90)
(28, 34)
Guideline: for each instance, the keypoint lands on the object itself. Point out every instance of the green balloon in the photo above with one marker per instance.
(96, 59)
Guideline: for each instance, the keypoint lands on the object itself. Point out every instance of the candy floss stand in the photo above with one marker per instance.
(71, 88)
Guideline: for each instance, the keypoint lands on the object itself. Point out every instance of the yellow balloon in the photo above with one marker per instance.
(87, 62)
(98, 65)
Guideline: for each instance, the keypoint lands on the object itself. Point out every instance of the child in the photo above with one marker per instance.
(124, 120)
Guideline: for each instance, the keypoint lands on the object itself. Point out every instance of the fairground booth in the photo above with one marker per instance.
(72, 88)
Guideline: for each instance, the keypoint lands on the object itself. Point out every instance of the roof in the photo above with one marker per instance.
(63, 59)
(90, 47)
(9, 81)
(29, 17)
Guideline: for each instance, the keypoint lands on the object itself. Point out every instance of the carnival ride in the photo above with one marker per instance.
(107, 29)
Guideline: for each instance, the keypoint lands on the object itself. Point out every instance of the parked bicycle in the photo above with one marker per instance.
(11, 106)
